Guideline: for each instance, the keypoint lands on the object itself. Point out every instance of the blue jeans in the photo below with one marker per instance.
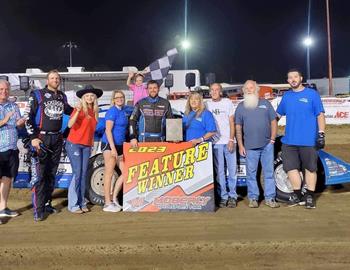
(266, 155)
(226, 186)
(79, 157)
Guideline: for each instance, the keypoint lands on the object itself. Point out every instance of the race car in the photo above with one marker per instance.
(331, 170)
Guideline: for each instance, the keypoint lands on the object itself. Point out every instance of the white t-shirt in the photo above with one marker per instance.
(221, 111)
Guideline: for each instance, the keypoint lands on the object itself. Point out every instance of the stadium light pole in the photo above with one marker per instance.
(185, 43)
(71, 45)
(308, 43)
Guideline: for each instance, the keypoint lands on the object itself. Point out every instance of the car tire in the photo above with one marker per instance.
(284, 188)
(95, 184)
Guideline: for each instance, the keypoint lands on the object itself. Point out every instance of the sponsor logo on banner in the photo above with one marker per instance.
(168, 177)
(342, 115)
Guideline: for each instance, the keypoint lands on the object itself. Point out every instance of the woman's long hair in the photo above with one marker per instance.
(201, 108)
(94, 106)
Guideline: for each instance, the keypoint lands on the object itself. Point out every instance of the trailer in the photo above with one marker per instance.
(341, 86)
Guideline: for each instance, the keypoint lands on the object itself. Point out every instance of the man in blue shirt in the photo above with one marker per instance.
(256, 129)
(304, 133)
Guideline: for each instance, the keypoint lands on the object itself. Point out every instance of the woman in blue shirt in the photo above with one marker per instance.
(199, 123)
(112, 148)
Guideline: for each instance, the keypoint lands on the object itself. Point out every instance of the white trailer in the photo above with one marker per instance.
(340, 85)
(76, 78)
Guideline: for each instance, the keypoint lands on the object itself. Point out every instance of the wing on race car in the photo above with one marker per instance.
(336, 170)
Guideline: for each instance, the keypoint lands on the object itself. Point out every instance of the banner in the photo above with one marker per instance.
(168, 177)
(337, 110)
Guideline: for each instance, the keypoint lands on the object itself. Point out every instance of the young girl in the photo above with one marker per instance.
(82, 122)
(139, 88)
(112, 147)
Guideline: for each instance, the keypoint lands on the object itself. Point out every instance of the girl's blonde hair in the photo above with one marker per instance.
(94, 106)
(201, 108)
(113, 95)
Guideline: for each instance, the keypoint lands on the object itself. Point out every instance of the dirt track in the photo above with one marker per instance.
(264, 238)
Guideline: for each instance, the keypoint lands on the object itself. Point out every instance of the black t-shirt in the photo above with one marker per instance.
(45, 111)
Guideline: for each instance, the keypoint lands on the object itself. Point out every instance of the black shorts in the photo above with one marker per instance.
(9, 163)
(106, 146)
(299, 158)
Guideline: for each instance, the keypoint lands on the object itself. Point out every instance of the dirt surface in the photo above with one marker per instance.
(263, 238)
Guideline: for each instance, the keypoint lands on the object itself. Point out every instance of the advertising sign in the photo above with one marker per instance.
(168, 177)
(337, 110)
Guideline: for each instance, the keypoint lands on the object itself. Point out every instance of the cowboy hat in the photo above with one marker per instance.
(89, 89)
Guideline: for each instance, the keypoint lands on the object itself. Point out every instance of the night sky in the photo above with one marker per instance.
(238, 40)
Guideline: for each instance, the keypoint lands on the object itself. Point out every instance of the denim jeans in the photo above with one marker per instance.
(266, 155)
(79, 157)
(226, 185)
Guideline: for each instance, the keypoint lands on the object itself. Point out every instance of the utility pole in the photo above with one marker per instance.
(186, 7)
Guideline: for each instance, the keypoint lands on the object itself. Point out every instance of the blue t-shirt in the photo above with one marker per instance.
(120, 124)
(197, 127)
(256, 123)
(301, 110)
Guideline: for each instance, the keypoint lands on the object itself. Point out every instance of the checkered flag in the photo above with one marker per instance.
(159, 69)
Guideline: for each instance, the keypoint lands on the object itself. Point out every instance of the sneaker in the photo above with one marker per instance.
(111, 208)
(85, 209)
(302, 200)
(8, 213)
(78, 211)
(253, 203)
(294, 201)
(116, 203)
(272, 203)
(231, 203)
(223, 203)
(39, 217)
(310, 202)
(50, 209)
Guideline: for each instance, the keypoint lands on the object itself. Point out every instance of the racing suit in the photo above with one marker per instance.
(147, 121)
(44, 121)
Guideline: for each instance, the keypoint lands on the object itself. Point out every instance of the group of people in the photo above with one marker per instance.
(253, 126)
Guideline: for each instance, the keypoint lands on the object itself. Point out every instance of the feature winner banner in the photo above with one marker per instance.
(168, 177)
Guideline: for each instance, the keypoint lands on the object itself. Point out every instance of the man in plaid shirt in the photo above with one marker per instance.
(10, 119)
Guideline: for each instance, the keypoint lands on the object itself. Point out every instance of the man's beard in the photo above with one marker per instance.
(295, 86)
(251, 101)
